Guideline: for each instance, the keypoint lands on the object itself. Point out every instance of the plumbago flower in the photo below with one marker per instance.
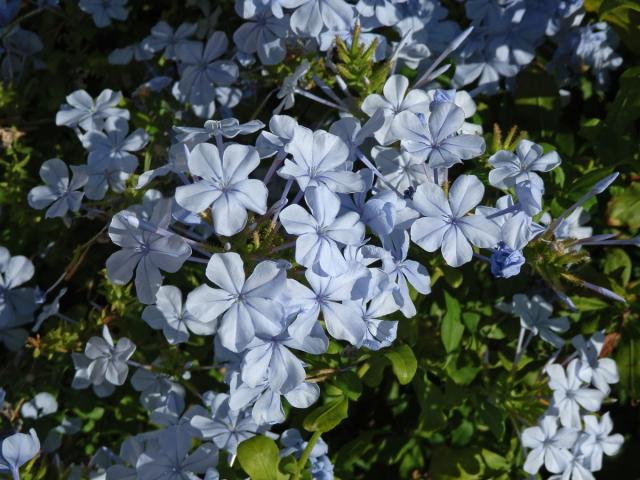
(395, 101)
(264, 35)
(224, 186)
(512, 168)
(81, 110)
(171, 316)
(319, 158)
(147, 248)
(103, 11)
(108, 360)
(60, 193)
(550, 446)
(535, 316)
(16, 450)
(321, 232)
(17, 303)
(244, 304)
(445, 224)
(435, 139)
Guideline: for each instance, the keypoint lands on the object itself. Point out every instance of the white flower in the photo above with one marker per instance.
(569, 394)
(549, 446)
(597, 440)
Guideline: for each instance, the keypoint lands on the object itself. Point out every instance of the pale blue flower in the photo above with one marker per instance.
(598, 440)
(163, 37)
(103, 11)
(319, 158)
(535, 315)
(445, 223)
(404, 272)
(512, 168)
(274, 141)
(172, 460)
(435, 138)
(59, 192)
(123, 56)
(396, 100)
(41, 405)
(267, 403)
(226, 427)
(145, 250)
(245, 305)
(570, 394)
(115, 146)
(224, 186)
(201, 69)
(16, 303)
(329, 296)
(170, 315)
(81, 110)
(321, 232)
(312, 16)
(401, 169)
(289, 85)
(8, 11)
(18, 449)
(227, 127)
(105, 175)
(264, 35)
(549, 446)
(269, 356)
(81, 378)
(594, 369)
(378, 303)
(108, 361)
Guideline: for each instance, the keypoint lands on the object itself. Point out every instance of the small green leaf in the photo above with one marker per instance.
(349, 384)
(328, 416)
(451, 328)
(259, 457)
(403, 363)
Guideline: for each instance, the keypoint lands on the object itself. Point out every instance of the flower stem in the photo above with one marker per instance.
(305, 455)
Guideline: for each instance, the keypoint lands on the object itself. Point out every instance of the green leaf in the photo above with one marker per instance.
(403, 363)
(349, 384)
(451, 328)
(328, 416)
(618, 263)
(259, 457)
(624, 209)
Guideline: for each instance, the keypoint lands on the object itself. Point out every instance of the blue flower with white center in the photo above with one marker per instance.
(435, 139)
(60, 192)
(321, 232)
(224, 186)
(401, 169)
(146, 248)
(549, 445)
(319, 158)
(81, 110)
(445, 223)
(244, 306)
(103, 11)
(513, 168)
(396, 100)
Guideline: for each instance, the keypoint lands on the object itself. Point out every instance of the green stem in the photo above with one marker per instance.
(305, 455)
